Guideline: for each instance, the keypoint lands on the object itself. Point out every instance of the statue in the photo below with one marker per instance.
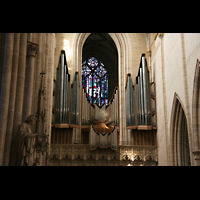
(26, 153)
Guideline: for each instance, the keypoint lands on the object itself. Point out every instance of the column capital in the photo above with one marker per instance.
(32, 48)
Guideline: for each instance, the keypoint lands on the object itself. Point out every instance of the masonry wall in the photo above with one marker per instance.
(174, 59)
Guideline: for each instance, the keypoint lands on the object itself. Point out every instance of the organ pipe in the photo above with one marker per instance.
(62, 92)
(86, 107)
(108, 114)
(75, 102)
(142, 102)
(130, 104)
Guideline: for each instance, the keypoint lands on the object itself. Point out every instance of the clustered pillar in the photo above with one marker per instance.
(22, 65)
(5, 90)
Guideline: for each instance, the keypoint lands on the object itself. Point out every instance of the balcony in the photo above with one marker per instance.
(79, 154)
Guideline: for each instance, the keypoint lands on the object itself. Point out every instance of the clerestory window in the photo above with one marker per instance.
(95, 80)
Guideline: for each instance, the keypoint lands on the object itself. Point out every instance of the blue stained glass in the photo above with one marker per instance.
(92, 62)
(95, 80)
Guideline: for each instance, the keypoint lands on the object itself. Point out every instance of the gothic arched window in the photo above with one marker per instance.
(95, 80)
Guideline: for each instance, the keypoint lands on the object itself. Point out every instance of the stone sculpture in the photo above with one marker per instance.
(26, 140)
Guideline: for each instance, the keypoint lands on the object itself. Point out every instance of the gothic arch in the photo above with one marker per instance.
(196, 106)
(102, 47)
(129, 48)
(121, 42)
(179, 139)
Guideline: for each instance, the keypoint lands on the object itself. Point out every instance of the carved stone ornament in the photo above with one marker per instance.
(71, 154)
(32, 49)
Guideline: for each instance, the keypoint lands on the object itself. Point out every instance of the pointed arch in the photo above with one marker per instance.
(196, 106)
(128, 62)
(179, 141)
(122, 44)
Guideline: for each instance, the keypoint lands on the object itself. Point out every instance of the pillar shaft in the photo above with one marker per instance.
(47, 72)
(19, 94)
(50, 83)
(5, 90)
(12, 99)
(32, 49)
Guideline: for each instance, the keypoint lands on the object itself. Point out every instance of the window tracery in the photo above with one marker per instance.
(95, 81)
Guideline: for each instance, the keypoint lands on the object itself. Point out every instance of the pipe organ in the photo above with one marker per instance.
(62, 93)
(74, 115)
(130, 104)
(66, 97)
(86, 110)
(97, 121)
(114, 109)
(100, 122)
(143, 95)
(140, 100)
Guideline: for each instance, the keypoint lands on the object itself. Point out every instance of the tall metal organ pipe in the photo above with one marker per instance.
(62, 91)
(143, 94)
(142, 97)
(75, 94)
(130, 103)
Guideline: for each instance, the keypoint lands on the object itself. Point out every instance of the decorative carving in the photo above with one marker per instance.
(81, 155)
(78, 157)
(90, 157)
(102, 127)
(32, 49)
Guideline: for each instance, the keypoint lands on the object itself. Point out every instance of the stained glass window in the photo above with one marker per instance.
(95, 80)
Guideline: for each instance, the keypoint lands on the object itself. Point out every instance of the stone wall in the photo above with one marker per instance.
(174, 59)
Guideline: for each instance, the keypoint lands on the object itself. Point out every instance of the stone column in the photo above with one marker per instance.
(46, 105)
(19, 94)
(32, 49)
(51, 83)
(5, 90)
(38, 70)
(12, 99)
